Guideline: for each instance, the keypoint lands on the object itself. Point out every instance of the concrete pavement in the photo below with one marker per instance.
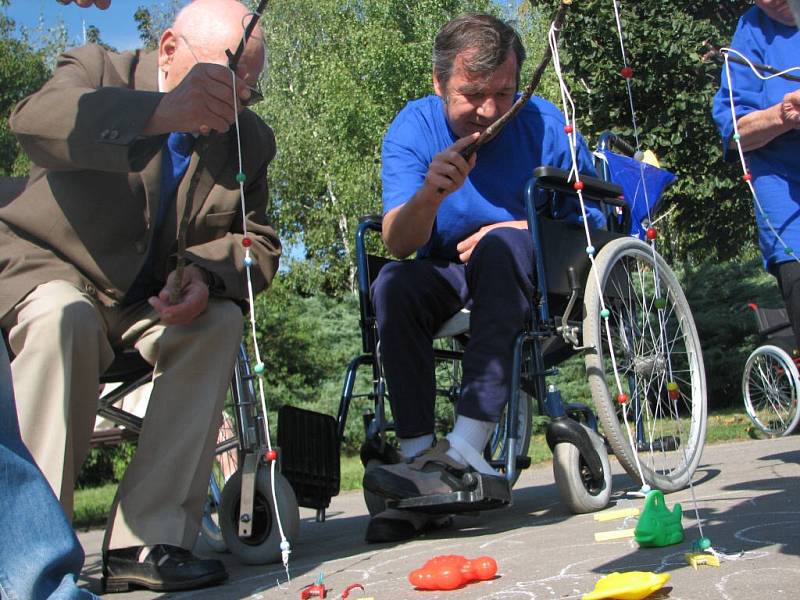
(748, 497)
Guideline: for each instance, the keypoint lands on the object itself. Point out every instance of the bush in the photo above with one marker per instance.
(718, 293)
(105, 465)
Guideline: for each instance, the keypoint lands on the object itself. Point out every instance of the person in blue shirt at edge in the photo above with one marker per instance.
(768, 119)
(466, 221)
(42, 557)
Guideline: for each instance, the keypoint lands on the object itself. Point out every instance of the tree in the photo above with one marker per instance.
(673, 84)
(152, 20)
(22, 71)
(338, 73)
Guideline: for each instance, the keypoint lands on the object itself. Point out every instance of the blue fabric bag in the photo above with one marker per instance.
(642, 185)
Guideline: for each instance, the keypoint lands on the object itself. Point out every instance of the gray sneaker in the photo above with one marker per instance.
(431, 472)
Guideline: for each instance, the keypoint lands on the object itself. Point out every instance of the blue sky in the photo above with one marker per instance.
(116, 24)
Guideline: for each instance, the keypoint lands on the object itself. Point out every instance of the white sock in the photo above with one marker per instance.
(410, 447)
(470, 434)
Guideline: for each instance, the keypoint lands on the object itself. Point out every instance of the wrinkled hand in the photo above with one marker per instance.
(467, 245)
(202, 101)
(194, 298)
(101, 4)
(790, 109)
(448, 169)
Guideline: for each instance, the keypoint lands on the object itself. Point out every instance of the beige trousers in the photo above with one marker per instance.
(62, 341)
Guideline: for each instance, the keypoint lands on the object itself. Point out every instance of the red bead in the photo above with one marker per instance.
(622, 398)
(674, 394)
(651, 233)
(747, 176)
(626, 72)
(271, 455)
(247, 242)
(578, 185)
(568, 129)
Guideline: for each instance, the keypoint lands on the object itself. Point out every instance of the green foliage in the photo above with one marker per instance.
(718, 294)
(338, 73)
(22, 72)
(674, 82)
(154, 19)
(106, 465)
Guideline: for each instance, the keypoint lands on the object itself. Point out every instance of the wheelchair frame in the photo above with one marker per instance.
(770, 380)
(551, 336)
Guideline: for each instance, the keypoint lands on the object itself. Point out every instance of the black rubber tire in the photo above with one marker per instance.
(573, 480)
(655, 344)
(263, 546)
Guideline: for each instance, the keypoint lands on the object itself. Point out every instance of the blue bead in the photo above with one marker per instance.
(590, 250)
(248, 262)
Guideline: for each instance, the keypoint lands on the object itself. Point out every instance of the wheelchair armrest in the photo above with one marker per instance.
(373, 222)
(594, 188)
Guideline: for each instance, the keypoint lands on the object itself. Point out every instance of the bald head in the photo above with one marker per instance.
(206, 28)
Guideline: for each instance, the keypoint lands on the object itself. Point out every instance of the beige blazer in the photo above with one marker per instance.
(86, 214)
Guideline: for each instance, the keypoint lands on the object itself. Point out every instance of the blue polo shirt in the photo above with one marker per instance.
(493, 191)
(776, 166)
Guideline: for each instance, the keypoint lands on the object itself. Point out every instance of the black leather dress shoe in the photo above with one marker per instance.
(161, 568)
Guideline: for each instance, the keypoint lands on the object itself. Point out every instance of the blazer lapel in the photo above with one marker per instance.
(208, 161)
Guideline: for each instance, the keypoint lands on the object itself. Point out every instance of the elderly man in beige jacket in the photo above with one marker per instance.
(123, 147)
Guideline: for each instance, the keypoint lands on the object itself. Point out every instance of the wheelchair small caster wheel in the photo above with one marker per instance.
(470, 480)
(263, 546)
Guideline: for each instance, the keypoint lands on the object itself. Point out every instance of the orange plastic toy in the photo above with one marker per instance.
(449, 572)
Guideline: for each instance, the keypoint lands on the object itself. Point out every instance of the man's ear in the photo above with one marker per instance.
(166, 49)
(437, 85)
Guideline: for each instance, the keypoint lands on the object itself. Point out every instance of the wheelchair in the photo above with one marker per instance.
(629, 318)
(239, 515)
(771, 382)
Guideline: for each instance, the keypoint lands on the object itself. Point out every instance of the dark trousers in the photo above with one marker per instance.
(412, 299)
(788, 274)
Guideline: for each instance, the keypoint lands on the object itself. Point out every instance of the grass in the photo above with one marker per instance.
(92, 504)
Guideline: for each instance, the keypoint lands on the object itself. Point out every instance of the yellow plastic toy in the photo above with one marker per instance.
(634, 585)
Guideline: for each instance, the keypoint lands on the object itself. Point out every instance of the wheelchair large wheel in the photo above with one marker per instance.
(263, 546)
(655, 358)
(770, 386)
(579, 491)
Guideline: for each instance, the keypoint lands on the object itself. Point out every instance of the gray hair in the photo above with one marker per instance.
(488, 39)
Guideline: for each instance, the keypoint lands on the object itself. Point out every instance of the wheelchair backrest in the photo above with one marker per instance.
(643, 184)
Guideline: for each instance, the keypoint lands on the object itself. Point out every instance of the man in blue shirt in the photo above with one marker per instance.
(767, 115)
(466, 221)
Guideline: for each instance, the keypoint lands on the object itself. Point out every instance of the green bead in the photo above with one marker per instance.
(605, 313)
(736, 137)
(259, 369)
(660, 303)
(241, 177)
(704, 543)
(789, 251)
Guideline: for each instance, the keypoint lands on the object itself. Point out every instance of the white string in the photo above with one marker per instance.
(568, 108)
(657, 279)
(285, 546)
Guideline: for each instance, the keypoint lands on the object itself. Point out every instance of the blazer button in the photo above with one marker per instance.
(113, 134)
(90, 289)
(105, 133)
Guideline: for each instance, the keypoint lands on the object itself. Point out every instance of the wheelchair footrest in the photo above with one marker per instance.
(489, 492)
(309, 446)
